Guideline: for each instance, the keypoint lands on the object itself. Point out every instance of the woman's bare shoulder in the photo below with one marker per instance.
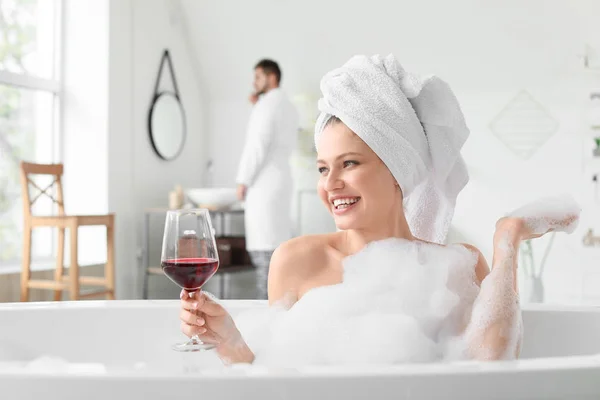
(481, 268)
(304, 250)
(297, 260)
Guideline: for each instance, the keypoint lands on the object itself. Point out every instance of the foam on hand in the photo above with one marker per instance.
(399, 302)
(559, 213)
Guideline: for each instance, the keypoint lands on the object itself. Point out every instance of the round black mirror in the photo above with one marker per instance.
(166, 118)
(166, 124)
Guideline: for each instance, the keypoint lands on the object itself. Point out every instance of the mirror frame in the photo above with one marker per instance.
(156, 96)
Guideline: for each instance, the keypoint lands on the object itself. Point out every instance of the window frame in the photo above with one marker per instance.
(55, 87)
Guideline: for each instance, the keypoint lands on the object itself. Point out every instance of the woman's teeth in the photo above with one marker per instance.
(340, 204)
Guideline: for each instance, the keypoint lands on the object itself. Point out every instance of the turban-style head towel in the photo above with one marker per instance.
(416, 127)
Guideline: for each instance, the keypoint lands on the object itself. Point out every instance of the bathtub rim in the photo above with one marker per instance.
(533, 365)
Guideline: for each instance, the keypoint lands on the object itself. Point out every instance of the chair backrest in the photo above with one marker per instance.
(53, 170)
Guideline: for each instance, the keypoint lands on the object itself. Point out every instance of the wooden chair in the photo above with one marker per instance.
(72, 281)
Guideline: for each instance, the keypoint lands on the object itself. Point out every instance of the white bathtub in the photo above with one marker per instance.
(122, 350)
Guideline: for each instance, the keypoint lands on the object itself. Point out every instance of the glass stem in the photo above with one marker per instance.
(194, 339)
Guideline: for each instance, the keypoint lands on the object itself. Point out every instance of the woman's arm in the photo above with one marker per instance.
(495, 331)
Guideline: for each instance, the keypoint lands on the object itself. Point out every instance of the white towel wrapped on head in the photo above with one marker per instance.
(416, 127)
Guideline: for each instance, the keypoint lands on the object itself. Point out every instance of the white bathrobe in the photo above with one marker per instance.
(265, 169)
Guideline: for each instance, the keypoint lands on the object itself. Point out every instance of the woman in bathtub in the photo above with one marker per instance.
(389, 160)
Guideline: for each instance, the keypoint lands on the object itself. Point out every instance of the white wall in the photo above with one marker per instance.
(487, 51)
(139, 32)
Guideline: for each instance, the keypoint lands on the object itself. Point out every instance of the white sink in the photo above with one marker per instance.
(212, 198)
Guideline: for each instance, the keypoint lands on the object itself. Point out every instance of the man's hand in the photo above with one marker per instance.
(253, 98)
(241, 192)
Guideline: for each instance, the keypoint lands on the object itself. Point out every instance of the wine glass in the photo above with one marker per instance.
(189, 257)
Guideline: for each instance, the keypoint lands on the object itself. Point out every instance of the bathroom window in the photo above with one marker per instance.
(29, 110)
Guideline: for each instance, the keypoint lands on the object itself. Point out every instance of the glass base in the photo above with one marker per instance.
(194, 344)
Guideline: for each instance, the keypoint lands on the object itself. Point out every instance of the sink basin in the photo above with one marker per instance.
(212, 198)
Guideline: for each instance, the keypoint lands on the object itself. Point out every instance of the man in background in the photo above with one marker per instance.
(264, 176)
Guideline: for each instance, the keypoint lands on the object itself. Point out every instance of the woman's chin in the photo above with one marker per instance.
(344, 223)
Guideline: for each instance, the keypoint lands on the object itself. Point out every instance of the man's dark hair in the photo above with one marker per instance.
(269, 67)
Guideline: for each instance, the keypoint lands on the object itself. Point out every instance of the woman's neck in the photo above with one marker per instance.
(356, 239)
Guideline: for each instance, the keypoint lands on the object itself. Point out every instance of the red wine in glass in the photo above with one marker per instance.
(190, 273)
(189, 258)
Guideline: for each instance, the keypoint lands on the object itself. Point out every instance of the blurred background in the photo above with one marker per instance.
(78, 79)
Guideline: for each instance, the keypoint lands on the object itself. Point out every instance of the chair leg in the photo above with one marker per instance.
(26, 264)
(60, 261)
(109, 269)
(74, 268)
